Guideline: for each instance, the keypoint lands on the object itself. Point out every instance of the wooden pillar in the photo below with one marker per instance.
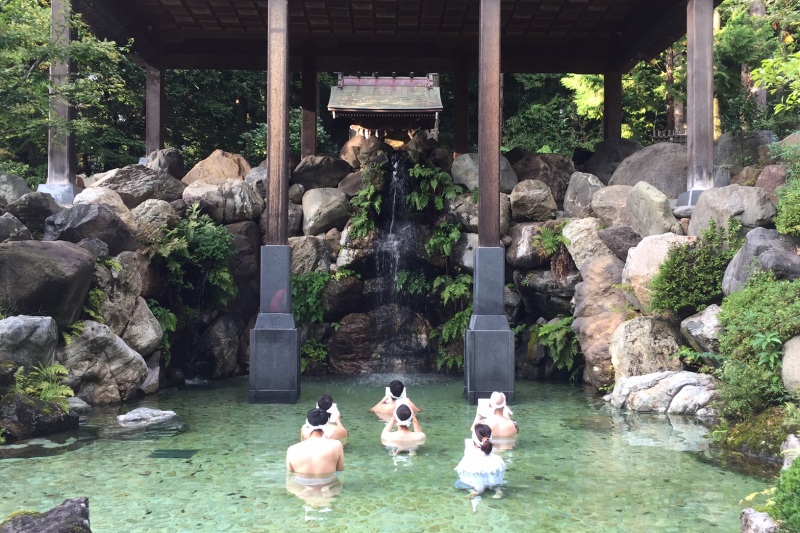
(308, 129)
(612, 104)
(461, 107)
(154, 110)
(489, 115)
(61, 154)
(278, 122)
(700, 94)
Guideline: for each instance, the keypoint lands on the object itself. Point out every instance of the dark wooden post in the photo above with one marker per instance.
(489, 114)
(308, 131)
(61, 154)
(461, 107)
(275, 341)
(700, 97)
(612, 104)
(154, 112)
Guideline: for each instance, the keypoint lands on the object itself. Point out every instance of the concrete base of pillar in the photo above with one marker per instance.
(689, 198)
(63, 194)
(274, 359)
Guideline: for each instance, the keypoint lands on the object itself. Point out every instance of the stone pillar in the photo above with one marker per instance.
(275, 341)
(489, 342)
(612, 105)
(310, 96)
(461, 107)
(61, 153)
(700, 99)
(154, 110)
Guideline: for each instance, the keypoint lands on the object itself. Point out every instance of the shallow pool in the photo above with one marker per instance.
(578, 466)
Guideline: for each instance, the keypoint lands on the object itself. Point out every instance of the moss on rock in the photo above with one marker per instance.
(760, 436)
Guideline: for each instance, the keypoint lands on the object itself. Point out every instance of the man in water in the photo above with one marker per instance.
(403, 439)
(385, 408)
(315, 461)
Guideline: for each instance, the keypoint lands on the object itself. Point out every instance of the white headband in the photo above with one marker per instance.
(326, 430)
(476, 441)
(500, 405)
(406, 422)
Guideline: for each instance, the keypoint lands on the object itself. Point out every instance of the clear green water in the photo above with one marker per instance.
(578, 466)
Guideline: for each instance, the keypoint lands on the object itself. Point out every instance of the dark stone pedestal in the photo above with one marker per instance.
(275, 341)
(489, 342)
(689, 198)
(63, 194)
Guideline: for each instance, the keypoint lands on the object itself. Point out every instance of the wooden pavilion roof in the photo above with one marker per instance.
(582, 36)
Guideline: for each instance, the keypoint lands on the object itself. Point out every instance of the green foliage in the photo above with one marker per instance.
(450, 331)
(781, 77)
(169, 323)
(431, 184)
(453, 289)
(2, 435)
(787, 499)
(253, 143)
(71, 331)
(787, 222)
(769, 351)
(691, 276)
(411, 282)
(763, 305)
(791, 419)
(344, 273)
(196, 254)
(313, 354)
(550, 240)
(307, 295)
(110, 263)
(559, 340)
(745, 389)
(45, 383)
(367, 201)
(94, 301)
(789, 156)
(697, 360)
(441, 242)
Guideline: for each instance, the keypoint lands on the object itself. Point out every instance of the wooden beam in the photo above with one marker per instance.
(310, 97)
(700, 94)
(489, 114)
(278, 123)
(461, 107)
(154, 110)
(612, 104)
(61, 154)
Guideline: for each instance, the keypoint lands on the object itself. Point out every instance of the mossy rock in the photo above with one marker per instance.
(19, 513)
(760, 436)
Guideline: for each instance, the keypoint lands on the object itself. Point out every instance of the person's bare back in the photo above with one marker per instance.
(315, 456)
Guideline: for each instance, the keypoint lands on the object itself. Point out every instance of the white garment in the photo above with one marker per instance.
(481, 471)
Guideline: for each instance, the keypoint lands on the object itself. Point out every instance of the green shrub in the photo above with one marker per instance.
(690, 277)
(441, 242)
(169, 323)
(764, 305)
(313, 354)
(788, 220)
(307, 295)
(366, 204)
(787, 499)
(744, 390)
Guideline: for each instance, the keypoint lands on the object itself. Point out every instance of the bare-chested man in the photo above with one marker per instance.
(334, 429)
(314, 462)
(498, 418)
(385, 408)
(403, 439)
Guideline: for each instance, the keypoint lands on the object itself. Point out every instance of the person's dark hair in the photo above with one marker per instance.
(318, 417)
(396, 388)
(482, 431)
(325, 402)
(403, 412)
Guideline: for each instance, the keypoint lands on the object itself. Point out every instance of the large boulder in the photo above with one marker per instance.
(320, 171)
(543, 295)
(644, 261)
(154, 218)
(644, 345)
(143, 331)
(33, 209)
(753, 521)
(227, 202)
(583, 241)
(578, 197)
(772, 178)
(532, 200)
(28, 340)
(12, 229)
(662, 165)
(702, 330)
(767, 250)
(24, 417)
(608, 155)
(103, 369)
(523, 252)
(360, 151)
(12, 187)
(217, 350)
(650, 212)
(341, 297)
(136, 183)
(218, 168)
(82, 221)
(610, 205)
(244, 266)
(735, 151)
(749, 205)
(620, 239)
(120, 284)
(554, 170)
(72, 516)
(672, 392)
(465, 172)
(167, 160)
(45, 278)
(600, 307)
(464, 208)
(463, 252)
(309, 254)
(790, 367)
(323, 209)
(109, 197)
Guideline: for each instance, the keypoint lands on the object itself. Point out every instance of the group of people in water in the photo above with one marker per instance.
(313, 463)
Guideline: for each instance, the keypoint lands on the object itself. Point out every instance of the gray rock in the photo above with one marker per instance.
(584, 243)
(768, 251)
(554, 170)
(78, 406)
(34, 271)
(620, 239)
(644, 261)
(662, 165)
(650, 211)
(244, 265)
(685, 393)
(167, 160)
(735, 151)
(318, 171)
(578, 197)
(532, 200)
(543, 295)
(608, 155)
(12, 187)
(465, 209)
(94, 246)
(143, 332)
(610, 205)
(522, 252)
(25, 417)
(136, 183)
(463, 253)
(33, 209)
(72, 516)
(702, 330)
(109, 197)
(753, 521)
(790, 367)
(296, 192)
(28, 340)
(309, 254)
(790, 449)
(323, 209)
(465, 172)
(228, 202)
(144, 416)
(83, 221)
(11, 229)
(120, 288)
(153, 380)
(341, 297)
(749, 205)
(512, 305)
(257, 179)
(154, 218)
(644, 345)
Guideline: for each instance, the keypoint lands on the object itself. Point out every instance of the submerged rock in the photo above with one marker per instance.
(71, 516)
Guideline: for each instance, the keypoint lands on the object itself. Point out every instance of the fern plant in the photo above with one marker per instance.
(73, 330)
(453, 289)
(367, 202)
(169, 323)
(313, 354)
(549, 240)
(431, 185)
(94, 299)
(45, 383)
(441, 242)
(559, 340)
(307, 295)
(411, 282)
